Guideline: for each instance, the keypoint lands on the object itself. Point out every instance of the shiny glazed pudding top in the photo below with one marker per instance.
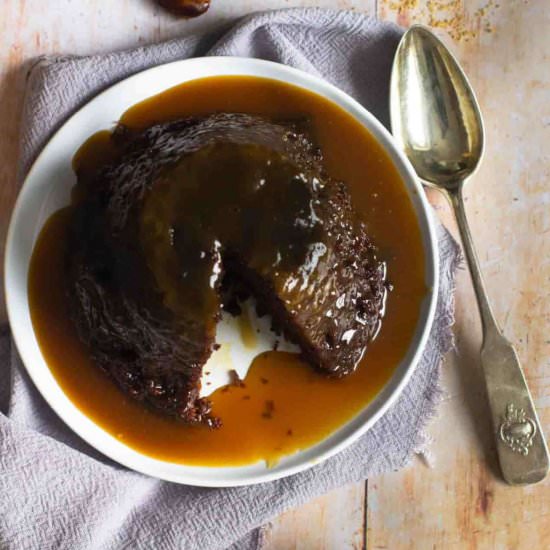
(196, 213)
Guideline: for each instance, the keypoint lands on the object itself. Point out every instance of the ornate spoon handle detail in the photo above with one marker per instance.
(522, 450)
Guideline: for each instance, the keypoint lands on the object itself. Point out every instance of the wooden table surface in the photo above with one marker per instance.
(504, 46)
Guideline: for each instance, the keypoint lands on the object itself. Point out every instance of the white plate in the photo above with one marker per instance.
(47, 188)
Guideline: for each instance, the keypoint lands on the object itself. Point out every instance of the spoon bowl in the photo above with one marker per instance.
(435, 116)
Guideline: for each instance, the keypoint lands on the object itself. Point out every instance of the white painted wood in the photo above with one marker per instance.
(332, 522)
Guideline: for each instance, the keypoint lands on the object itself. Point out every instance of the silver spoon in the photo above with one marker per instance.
(436, 120)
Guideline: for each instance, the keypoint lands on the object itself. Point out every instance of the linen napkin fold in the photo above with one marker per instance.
(57, 492)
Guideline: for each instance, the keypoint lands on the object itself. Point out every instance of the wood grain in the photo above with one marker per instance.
(335, 521)
(460, 503)
(505, 49)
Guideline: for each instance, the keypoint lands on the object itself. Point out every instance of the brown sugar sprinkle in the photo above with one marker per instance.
(264, 380)
(235, 379)
(246, 397)
(289, 432)
(450, 16)
(402, 5)
(269, 409)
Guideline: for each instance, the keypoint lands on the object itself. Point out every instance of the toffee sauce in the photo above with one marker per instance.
(283, 405)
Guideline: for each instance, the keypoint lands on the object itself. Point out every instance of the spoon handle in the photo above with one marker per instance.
(522, 450)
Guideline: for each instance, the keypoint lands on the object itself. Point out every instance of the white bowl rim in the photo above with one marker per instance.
(210, 476)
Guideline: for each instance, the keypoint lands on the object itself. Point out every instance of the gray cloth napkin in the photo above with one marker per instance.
(57, 492)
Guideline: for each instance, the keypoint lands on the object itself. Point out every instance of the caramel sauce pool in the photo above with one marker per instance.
(284, 405)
